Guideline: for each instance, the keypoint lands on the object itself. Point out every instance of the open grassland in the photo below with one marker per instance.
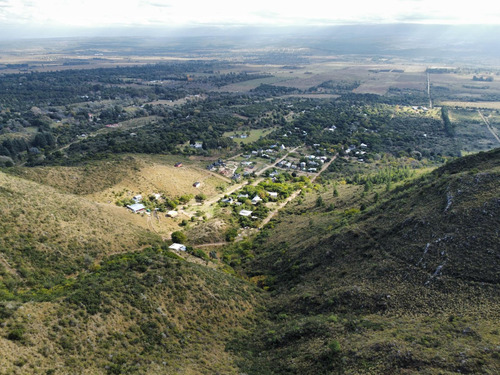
(472, 131)
(104, 180)
(255, 135)
(163, 179)
(252, 84)
(131, 124)
(479, 104)
(110, 181)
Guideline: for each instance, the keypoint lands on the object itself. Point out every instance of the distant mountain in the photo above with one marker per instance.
(444, 43)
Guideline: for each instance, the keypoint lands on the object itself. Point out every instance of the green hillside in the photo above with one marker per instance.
(396, 279)
(410, 285)
(85, 290)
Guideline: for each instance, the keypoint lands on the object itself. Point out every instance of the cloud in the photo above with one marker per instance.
(157, 5)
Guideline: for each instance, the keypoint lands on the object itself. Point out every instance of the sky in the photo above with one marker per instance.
(18, 15)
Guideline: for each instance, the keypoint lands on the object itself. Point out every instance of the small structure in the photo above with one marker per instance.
(178, 165)
(197, 184)
(177, 247)
(245, 213)
(256, 199)
(243, 196)
(197, 145)
(273, 194)
(137, 198)
(172, 214)
(157, 196)
(136, 208)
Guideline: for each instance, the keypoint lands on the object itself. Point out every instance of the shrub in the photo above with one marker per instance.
(179, 237)
(334, 347)
(200, 197)
(16, 333)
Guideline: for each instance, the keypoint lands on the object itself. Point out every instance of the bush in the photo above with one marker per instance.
(200, 197)
(179, 237)
(334, 347)
(16, 333)
(231, 234)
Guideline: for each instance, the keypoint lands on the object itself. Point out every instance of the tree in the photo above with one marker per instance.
(200, 197)
(179, 237)
(319, 201)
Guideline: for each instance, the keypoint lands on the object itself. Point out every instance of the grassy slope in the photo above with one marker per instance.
(67, 305)
(409, 286)
(47, 235)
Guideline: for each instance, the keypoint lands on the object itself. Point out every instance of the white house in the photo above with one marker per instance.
(273, 194)
(245, 213)
(137, 198)
(177, 247)
(256, 199)
(137, 207)
(172, 214)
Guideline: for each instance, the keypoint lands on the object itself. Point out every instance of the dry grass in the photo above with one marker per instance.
(163, 179)
(485, 105)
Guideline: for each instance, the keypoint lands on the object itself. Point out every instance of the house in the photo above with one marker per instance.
(236, 176)
(245, 213)
(172, 214)
(273, 194)
(157, 196)
(197, 145)
(227, 200)
(137, 198)
(177, 247)
(178, 165)
(197, 184)
(243, 196)
(256, 199)
(362, 145)
(136, 208)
